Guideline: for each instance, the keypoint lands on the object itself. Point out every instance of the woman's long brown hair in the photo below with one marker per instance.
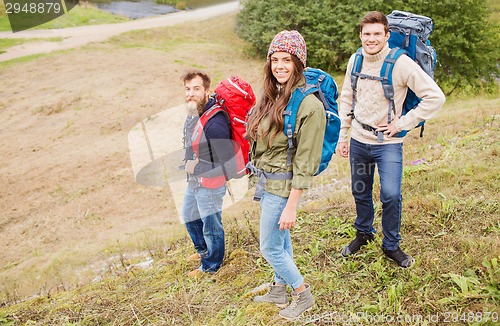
(273, 101)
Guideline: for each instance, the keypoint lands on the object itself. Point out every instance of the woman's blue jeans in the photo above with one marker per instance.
(389, 161)
(202, 215)
(276, 245)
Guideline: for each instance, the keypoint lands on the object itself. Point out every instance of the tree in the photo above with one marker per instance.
(465, 40)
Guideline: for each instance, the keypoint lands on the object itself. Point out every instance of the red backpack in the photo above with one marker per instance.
(235, 97)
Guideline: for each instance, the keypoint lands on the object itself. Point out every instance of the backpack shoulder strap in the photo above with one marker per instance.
(386, 76)
(356, 68)
(289, 120)
(290, 112)
(290, 115)
(355, 71)
(388, 67)
(210, 113)
(202, 122)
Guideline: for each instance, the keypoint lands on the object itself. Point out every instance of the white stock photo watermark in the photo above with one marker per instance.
(158, 158)
(452, 317)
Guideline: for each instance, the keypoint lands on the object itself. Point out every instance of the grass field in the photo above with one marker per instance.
(78, 16)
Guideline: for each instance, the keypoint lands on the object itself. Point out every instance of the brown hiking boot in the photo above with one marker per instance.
(197, 273)
(193, 257)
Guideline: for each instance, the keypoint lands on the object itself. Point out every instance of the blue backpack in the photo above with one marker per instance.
(409, 35)
(323, 86)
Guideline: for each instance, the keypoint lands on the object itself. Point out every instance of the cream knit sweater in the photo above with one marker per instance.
(372, 106)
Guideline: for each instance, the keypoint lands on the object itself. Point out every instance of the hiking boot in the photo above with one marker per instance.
(360, 240)
(301, 302)
(195, 273)
(275, 294)
(399, 256)
(193, 257)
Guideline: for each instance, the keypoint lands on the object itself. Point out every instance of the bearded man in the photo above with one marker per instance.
(206, 151)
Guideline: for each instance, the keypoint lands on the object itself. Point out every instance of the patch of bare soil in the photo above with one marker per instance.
(66, 174)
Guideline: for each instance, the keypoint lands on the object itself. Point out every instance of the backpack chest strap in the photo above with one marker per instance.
(365, 76)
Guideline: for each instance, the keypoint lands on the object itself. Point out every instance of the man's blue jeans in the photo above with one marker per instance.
(276, 245)
(389, 161)
(202, 214)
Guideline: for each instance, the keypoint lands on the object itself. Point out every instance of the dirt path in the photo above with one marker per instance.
(77, 36)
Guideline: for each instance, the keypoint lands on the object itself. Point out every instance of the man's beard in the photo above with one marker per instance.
(201, 105)
(192, 109)
(196, 108)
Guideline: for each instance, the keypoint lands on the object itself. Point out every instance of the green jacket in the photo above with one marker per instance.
(308, 136)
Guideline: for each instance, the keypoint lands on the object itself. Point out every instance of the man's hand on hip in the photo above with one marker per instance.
(389, 129)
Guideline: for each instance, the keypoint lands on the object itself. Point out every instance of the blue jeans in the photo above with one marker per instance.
(202, 215)
(276, 245)
(389, 161)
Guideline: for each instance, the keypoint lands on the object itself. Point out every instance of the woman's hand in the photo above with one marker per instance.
(289, 215)
(288, 218)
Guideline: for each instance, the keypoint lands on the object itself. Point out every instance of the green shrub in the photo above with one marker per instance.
(465, 39)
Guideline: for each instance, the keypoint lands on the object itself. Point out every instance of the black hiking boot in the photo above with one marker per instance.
(399, 256)
(360, 240)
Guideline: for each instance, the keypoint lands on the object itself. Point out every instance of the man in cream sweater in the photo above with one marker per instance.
(372, 142)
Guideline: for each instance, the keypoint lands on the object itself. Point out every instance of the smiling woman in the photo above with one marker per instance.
(283, 175)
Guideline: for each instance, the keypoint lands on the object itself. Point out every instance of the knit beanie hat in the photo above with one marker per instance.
(291, 42)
